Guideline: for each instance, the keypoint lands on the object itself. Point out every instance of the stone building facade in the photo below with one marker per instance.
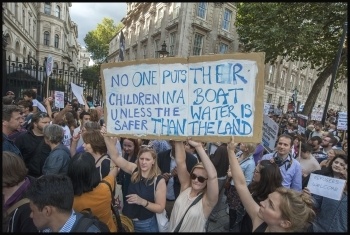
(38, 29)
(204, 28)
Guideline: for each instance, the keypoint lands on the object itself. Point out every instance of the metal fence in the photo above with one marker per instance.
(29, 74)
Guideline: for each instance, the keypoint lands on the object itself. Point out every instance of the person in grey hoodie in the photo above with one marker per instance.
(58, 160)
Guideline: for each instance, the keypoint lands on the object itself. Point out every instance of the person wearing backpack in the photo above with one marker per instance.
(89, 191)
(16, 208)
(51, 201)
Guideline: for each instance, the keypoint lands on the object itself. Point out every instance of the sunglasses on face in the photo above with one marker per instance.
(201, 179)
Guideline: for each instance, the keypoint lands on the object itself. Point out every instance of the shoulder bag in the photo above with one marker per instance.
(193, 203)
(162, 218)
(124, 223)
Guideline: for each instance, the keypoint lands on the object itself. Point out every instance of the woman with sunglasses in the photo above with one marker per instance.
(284, 210)
(201, 180)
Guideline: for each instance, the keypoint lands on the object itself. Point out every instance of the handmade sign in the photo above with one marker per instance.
(270, 133)
(206, 97)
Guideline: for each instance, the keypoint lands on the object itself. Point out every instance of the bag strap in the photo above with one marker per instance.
(193, 203)
(114, 210)
(17, 204)
(104, 155)
(82, 225)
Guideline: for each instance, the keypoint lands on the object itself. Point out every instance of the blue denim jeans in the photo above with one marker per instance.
(147, 225)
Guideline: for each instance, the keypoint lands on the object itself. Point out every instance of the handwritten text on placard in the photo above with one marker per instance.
(197, 99)
(326, 186)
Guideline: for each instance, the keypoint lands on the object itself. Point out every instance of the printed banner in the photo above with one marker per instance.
(270, 133)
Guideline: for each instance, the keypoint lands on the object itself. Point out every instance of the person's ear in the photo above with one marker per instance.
(285, 224)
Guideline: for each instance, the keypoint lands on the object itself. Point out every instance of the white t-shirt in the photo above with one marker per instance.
(37, 104)
(67, 136)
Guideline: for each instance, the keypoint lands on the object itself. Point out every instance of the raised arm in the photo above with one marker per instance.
(238, 177)
(119, 161)
(211, 197)
(180, 159)
(61, 113)
(47, 103)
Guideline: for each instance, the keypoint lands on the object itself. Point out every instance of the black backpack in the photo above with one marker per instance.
(85, 219)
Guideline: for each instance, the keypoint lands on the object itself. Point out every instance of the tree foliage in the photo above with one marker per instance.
(97, 41)
(91, 75)
(300, 31)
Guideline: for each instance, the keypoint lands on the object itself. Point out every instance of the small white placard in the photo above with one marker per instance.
(326, 186)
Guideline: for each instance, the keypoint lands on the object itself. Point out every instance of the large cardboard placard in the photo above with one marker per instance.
(205, 97)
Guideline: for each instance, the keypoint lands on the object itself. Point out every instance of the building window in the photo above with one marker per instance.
(172, 44)
(176, 9)
(226, 22)
(30, 26)
(223, 48)
(283, 75)
(58, 12)
(24, 19)
(198, 43)
(147, 25)
(291, 82)
(156, 45)
(202, 10)
(269, 98)
(47, 8)
(46, 38)
(144, 51)
(135, 54)
(160, 17)
(57, 39)
(280, 100)
(271, 73)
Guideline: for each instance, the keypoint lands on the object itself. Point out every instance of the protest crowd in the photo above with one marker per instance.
(61, 169)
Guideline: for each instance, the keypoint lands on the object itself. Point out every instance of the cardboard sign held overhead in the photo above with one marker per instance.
(205, 97)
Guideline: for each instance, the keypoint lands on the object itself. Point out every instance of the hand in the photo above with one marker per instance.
(68, 107)
(167, 176)
(110, 140)
(174, 172)
(231, 146)
(306, 190)
(134, 199)
(76, 137)
(194, 143)
(47, 101)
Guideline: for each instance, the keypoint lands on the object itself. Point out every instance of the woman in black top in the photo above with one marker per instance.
(142, 202)
(284, 210)
(267, 178)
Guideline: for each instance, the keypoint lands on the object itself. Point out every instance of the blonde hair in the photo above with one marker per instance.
(155, 171)
(251, 147)
(296, 207)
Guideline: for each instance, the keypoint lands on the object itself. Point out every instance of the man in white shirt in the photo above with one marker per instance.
(84, 117)
(307, 161)
(31, 96)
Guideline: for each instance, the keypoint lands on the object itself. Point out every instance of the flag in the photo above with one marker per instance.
(121, 46)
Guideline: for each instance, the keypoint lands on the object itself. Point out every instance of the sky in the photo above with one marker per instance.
(88, 15)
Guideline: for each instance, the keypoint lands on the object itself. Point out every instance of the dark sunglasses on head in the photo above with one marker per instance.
(201, 179)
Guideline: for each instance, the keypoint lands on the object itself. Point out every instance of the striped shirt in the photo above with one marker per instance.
(67, 227)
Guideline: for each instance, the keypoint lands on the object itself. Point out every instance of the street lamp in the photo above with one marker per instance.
(163, 52)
